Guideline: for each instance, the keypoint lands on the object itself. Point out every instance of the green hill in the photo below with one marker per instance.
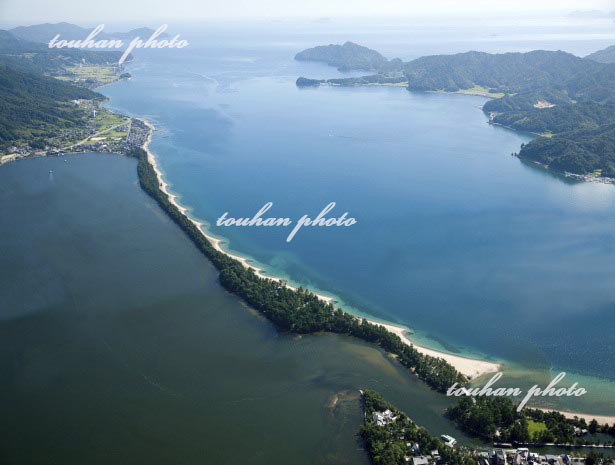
(582, 151)
(43, 33)
(569, 98)
(506, 72)
(36, 106)
(34, 57)
(560, 118)
(347, 57)
(606, 55)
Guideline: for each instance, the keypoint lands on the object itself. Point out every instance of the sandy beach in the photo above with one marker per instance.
(601, 419)
(217, 243)
(471, 368)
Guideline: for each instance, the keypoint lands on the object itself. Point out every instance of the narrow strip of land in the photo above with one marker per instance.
(471, 368)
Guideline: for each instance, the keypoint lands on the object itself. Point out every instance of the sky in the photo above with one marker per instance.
(92, 11)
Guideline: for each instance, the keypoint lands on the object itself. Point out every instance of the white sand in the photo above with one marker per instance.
(601, 419)
(470, 367)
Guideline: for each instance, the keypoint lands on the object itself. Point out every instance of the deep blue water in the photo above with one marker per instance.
(470, 247)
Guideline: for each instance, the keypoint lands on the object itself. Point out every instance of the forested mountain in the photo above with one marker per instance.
(507, 72)
(43, 33)
(580, 151)
(581, 121)
(572, 99)
(12, 44)
(591, 85)
(558, 119)
(34, 57)
(606, 55)
(347, 57)
(31, 104)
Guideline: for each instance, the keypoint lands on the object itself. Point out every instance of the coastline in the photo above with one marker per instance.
(469, 367)
(472, 368)
(566, 174)
(601, 419)
(489, 96)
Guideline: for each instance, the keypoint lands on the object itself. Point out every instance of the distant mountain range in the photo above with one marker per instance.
(35, 57)
(506, 72)
(43, 33)
(606, 55)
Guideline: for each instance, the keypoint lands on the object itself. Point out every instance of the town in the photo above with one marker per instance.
(391, 437)
(104, 131)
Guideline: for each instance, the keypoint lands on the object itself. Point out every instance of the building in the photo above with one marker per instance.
(500, 457)
(420, 460)
(414, 447)
(384, 418)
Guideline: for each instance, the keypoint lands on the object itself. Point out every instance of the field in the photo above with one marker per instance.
(105, 120)
(99, 74)
(535, 427)
(482, 91)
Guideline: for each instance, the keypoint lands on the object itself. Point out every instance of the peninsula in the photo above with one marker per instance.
(567, 100)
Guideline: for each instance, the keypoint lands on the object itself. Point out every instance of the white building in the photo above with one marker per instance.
(383, 418)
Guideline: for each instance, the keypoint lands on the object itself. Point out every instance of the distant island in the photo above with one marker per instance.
(347, 57)
(568, 100)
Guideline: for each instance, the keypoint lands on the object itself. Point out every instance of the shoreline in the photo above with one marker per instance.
(579, 177)
(601, 419)
(469, 367)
